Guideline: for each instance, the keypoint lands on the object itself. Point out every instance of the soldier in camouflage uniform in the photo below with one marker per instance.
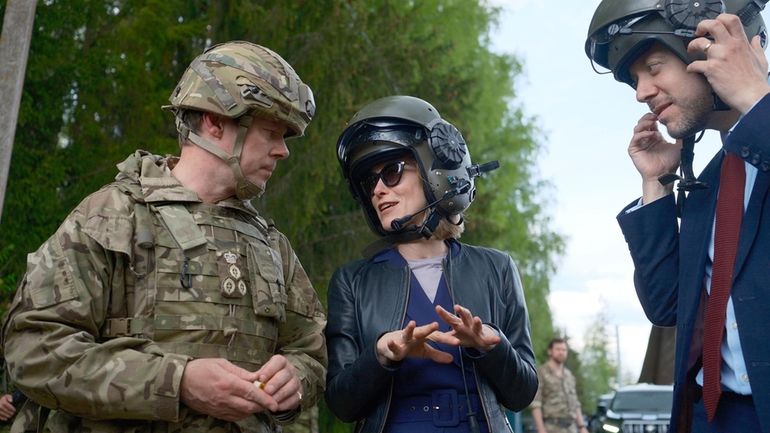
(556, 408)
(164, 302)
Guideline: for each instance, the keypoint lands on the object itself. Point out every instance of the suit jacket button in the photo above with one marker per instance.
(745, 152)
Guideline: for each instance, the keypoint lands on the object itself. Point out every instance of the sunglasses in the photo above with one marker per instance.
(390, 174)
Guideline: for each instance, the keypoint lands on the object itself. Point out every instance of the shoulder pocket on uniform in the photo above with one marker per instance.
(114, 233)
(302, 297)
(268, 286)
(52, 286)
(45, 297)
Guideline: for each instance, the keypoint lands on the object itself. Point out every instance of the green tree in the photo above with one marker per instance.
(598, 370)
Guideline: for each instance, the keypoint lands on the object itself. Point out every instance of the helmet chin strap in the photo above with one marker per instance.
(244, 188)
(687, 180)
(407, 234)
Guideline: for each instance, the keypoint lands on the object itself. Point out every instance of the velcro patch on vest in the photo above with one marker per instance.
(231, 275)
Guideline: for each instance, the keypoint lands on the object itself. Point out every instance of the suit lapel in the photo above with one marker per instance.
(695, 236)
(751, 220)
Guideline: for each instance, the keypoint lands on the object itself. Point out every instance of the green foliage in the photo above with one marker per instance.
(99, 70)
(598, 370)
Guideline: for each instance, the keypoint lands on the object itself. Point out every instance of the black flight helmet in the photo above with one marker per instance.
(621, 30)
(394, 126)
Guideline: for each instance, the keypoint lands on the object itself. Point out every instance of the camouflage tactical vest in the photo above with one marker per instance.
(210, 285)
(205, 281)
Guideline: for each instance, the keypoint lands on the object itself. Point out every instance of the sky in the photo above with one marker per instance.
(586, 121)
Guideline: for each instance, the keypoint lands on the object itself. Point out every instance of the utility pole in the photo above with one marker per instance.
(14, 50)
(617, 348)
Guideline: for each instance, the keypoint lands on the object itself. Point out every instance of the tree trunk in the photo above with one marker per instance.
(14, 49)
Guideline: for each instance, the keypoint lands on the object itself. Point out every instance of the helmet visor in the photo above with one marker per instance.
(370, 142)
(599, 44)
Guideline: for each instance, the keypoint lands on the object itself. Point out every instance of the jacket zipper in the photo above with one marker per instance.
(446, 267)
(407, 283)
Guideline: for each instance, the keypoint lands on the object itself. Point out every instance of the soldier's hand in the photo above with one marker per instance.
(281, 382)
(7, 410)
(223, 390)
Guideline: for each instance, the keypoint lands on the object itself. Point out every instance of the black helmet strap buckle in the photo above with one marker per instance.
(687, 180)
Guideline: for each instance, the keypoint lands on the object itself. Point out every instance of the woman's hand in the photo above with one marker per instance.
(467, 330)
(412, 341)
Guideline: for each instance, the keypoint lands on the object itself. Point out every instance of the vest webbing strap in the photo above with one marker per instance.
(126, 326)
(123, 327)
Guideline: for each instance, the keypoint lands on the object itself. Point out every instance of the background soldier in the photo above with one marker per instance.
(556, 408)
(164, 302)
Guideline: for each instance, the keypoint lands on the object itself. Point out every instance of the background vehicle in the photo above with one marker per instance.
(597, 418)
(640, 408)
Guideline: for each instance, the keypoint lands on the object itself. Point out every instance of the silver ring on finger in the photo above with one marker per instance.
(706, 48)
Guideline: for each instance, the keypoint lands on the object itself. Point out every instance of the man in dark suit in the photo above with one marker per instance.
(698, 68)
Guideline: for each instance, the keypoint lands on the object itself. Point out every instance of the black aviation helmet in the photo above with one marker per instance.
(394, 126)
(621, 30)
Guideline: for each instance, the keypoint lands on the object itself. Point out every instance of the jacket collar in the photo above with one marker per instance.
(153, 174)
(391, 255)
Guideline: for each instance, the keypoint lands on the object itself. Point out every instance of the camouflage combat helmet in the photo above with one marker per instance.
(404, 125)
(241, 80)
(621, 30)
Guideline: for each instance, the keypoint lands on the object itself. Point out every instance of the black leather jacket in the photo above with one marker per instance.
(368, 298)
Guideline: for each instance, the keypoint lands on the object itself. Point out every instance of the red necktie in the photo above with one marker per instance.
(726, 233)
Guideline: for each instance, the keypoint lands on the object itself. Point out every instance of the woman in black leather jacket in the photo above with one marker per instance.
(428, 334)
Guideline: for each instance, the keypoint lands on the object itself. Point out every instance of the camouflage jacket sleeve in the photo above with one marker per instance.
(53, 349)
(300, 337)
(537, 402)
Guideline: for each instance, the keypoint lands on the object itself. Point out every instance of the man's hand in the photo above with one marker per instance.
(223, 390)
(412, 341)
(735, 67)
(467, 330)
(653, 157)
(537, 417)
(281, 383)
(7, 410)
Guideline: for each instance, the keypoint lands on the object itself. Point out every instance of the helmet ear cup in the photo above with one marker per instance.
(686, 14)
(448, 145)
